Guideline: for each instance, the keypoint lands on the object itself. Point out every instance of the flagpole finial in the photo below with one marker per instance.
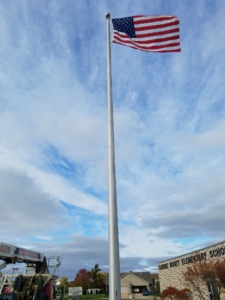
(107, 15)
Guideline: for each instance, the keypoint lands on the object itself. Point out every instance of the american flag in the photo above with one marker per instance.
(157, 33)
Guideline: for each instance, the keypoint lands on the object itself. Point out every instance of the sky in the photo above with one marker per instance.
(169, 120)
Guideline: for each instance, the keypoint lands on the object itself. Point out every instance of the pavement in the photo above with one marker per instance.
(140, 296)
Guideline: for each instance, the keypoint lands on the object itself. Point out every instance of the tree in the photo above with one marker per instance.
(101, 280)
(173, 293)
(64, 282)
(94, 276)
(206, 277)
(220, 274)
(157, 287)
(97, 277)
(71, 283)
(82, 279)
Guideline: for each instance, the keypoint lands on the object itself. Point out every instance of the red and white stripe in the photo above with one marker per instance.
(153, 33)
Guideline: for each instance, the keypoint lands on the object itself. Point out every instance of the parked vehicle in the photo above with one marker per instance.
(145, 292)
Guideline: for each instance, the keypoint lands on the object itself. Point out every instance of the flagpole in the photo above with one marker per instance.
(114, 263)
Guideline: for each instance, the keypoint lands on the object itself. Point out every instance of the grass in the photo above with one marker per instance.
(94, 296)
(101, 296)
(88, 297)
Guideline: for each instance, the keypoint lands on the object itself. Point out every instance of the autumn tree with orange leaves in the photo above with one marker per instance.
(82, 279)
(206, 278)
(90, 279)
(172, 293)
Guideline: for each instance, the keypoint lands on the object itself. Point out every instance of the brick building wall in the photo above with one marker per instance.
(171, 271)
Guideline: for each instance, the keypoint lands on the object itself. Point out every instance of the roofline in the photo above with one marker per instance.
(133, 272)
(191, 252)
(123, 274)
(121, 277)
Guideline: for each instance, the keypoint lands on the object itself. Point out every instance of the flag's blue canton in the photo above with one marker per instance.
(125, 25)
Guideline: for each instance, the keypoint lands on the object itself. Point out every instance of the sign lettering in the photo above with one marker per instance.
(190, 259)
(174, 263)
(4, 248)
(28, 253)
(217, 252)
(163, 266)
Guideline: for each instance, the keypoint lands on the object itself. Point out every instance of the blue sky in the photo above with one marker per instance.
(169, 133)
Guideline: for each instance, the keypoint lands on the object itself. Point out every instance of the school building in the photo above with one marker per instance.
(171, 271)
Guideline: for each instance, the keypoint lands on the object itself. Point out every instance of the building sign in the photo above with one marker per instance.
(193, 258)
(217, 252)
(75, 292)
(183, 261)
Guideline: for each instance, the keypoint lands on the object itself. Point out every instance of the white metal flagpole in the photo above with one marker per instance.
(114, 263)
